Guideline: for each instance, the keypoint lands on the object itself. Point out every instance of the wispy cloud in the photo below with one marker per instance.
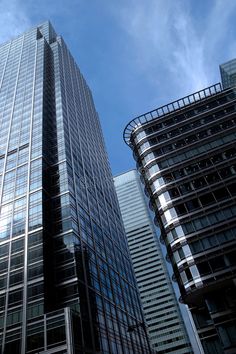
(13, 19)
(172, 43)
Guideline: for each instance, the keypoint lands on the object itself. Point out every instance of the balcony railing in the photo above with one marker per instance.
(169, 108)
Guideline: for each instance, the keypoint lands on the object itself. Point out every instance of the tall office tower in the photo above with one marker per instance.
(228, 73)
(186, 152)
(162, 314)
(66, 283)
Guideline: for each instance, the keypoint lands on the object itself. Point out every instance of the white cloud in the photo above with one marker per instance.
(171, 43)
(13, 19)
(175, 50)
(187, 57)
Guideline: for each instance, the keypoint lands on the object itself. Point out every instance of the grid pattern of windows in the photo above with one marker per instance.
(21, 207)
(157, 295)
(188, 161)
(61, 238)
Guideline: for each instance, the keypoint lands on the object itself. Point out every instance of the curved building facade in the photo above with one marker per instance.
(186, 153)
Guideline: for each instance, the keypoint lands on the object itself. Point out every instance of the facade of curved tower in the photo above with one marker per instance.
(186, 153)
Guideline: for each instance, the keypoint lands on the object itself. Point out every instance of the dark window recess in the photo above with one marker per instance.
(185, 128)
(217, 263)
(202, 135)
(225, 172)
(188, 274)
(230, 153)
(204, 268)
(185, 188)
(174, 193)
(204, 163)
(215, 303)
(181, 209)
(199, 183)
(215, 129)
(157, 152)
(35, 290)
(196, 124)
(179, 173)
(207, 199)
(12, 347)
(168, 178)
(217, 158)
(35, 341)
(193, 204)
(173, 133)
(201, 318)
(232, 188)
(162, 137)
(221, 194)
(228, 124)
(232, 258)
(166, 149)
(168, 122)
(153, 141)
(212, 178)
(2, 300)
(16, 278)
(179, 144)
(15, 297)
(191, 139)
(56, 336)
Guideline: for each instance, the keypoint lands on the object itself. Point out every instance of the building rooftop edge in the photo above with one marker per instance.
(123, 173)
(28, 30)
(170, 108)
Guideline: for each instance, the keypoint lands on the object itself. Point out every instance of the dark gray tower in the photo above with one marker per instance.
(66, 281)
(187, 155)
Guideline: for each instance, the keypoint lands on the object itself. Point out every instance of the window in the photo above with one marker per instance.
(207, 199)
(204, 268)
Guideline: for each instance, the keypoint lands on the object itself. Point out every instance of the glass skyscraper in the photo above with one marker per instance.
(66, 280)
(186, 153)
(166, 328)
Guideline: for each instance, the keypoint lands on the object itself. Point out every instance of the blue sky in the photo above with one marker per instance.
(135, 54)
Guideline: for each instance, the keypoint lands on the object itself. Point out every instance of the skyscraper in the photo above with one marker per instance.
(186, 153)
(166, 328)
(66, 282)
